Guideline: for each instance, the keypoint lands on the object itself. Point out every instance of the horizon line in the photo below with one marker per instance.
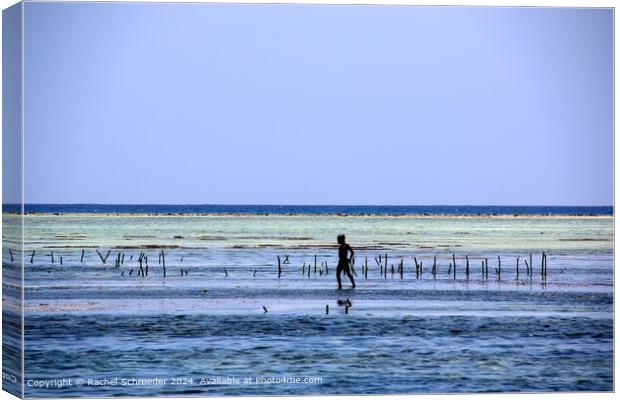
(313, 205)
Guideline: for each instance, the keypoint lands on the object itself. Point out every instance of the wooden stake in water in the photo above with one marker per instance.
(365, 268)
(32, 257)
(385, 268)
(499, 268)
(280, 268)
(103, 259)
(486, 268)
(326, 308)
(386, 264)
(527, 267)
(454, 270)
(163, 260)
(11, 254)
(81, 258)
(467, 266)
(517, 268)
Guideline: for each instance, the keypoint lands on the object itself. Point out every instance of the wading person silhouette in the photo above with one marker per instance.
(344, 261)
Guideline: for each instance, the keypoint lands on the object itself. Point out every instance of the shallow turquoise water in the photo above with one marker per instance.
(426, 334)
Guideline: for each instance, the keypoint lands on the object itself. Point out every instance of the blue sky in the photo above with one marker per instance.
(294, 104)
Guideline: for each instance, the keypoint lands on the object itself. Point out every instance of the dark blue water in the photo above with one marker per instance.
(309, 209)
(352, 354)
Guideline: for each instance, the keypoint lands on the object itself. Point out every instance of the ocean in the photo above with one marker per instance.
(249, 306)
(308, 209)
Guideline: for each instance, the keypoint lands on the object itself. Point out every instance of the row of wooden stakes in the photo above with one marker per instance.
(382, 264)
(306, 269)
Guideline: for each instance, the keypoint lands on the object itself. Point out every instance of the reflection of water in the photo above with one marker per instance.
(401, 335)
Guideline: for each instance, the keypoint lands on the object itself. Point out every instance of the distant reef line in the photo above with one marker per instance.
(311, 215)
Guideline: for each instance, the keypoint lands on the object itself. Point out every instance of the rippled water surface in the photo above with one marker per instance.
(206, 320)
